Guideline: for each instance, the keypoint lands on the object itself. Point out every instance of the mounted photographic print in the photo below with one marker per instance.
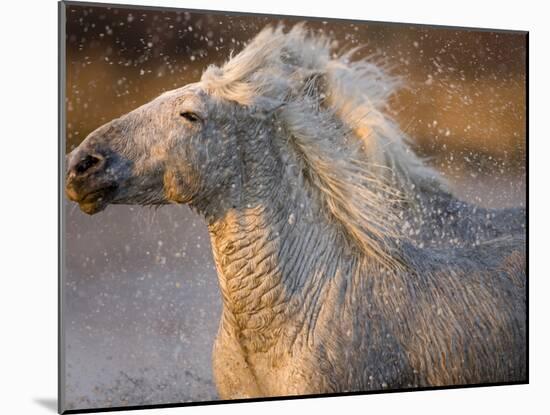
(257, 207)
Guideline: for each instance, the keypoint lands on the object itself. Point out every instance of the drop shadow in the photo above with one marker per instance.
(48, 403)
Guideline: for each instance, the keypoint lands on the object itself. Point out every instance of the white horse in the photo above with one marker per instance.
(343, 262)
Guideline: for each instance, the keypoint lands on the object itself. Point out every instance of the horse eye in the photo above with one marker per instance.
(190, 116)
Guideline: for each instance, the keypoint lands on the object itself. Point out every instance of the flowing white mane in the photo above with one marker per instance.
(334, 111)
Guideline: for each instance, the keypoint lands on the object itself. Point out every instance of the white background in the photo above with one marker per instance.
(28, 204)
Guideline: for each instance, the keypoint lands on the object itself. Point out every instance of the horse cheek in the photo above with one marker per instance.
(179, 186)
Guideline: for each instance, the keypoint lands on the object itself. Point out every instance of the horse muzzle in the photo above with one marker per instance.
(90, 181)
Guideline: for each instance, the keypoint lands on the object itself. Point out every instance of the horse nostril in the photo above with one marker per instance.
(87, 163)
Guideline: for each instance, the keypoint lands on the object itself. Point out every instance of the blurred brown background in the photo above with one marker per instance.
(141, 302)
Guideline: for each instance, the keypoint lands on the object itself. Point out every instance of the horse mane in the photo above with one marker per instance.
(334, 111)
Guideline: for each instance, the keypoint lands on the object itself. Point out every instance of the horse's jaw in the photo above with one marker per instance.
(94, 201)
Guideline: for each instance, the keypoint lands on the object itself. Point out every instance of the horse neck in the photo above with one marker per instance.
(273, 252)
